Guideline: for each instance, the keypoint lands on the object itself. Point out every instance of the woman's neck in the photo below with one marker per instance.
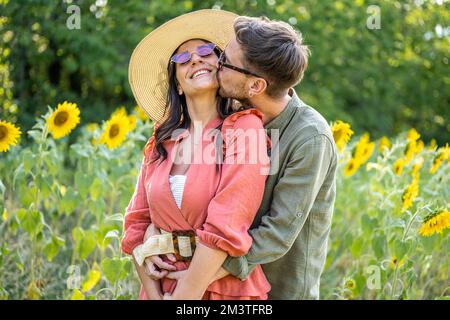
(202, 109)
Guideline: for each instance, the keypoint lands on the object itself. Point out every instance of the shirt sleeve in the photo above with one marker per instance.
(293, 198)
(137, 214)
(239, 195)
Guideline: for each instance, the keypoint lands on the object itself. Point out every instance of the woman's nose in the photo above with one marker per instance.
(196, 58)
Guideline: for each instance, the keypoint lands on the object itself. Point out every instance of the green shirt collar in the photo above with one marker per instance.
(283, 118)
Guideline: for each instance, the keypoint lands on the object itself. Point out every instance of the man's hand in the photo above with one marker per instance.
(155, 267)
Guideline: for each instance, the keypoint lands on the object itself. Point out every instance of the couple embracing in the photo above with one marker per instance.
(247, 225)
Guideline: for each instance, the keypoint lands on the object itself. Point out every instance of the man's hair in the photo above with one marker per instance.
(274, 50)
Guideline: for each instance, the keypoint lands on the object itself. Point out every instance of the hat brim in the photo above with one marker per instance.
(147, 71)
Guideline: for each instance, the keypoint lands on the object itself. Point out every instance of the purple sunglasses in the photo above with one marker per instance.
(202, 50)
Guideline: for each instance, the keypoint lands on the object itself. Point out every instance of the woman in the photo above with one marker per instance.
(204, 208)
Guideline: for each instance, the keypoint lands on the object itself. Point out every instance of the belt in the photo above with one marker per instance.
(182, 243)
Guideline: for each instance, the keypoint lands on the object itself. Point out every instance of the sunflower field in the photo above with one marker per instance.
(62, 205)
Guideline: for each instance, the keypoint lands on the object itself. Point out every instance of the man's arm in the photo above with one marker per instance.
(293, 198)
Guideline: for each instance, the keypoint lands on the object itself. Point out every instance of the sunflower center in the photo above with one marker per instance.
(61, 118)
(3, 132)
(114, 131)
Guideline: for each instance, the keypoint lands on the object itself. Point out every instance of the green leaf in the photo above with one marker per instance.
(105, 234)
(356, 247)
(379, 246)
(400, 248)
(30, 220)
(28, 160)
(44, 184)
(97, 207)
(69, 201)
(96, 189)
(115, 269)
(80, 150)
(85, 241)
(51, 249)
(368, 224)
(27, 195)
(83, 182)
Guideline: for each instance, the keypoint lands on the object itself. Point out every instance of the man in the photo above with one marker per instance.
(259, 67)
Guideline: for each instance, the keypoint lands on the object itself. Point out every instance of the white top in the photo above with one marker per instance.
(176, 183)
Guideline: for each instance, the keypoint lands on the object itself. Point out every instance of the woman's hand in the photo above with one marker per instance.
(152, 288)
(193, 282)
(155, 267)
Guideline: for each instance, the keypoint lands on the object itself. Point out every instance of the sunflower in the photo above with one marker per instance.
(91, 127)
(116, 130)
(433, 144)
(77, 295)
(419, 146)
(394, 262)
(384, 144)
(350, 284)
(93, 277)
(140, 113)
(341, 134)
(367, 152)
(411, 192)
(9, 134)
(417, 166)
(131, 122)
(120, 110)
(123, 112)
(443, 154)
(33, 291)
(413, 135)
(398, 166)
(63, 120)
(351, 167)
(363, 149)
(410, 150)
(435, 222)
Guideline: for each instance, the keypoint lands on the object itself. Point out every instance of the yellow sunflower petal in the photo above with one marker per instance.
(9, 134)
(63, 120)
(116, 130)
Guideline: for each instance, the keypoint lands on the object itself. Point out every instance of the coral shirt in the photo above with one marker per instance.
(219, 202)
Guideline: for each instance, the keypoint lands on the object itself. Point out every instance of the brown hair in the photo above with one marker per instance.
(274, 50)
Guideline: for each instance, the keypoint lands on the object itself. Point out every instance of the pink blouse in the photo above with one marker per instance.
(219, 205)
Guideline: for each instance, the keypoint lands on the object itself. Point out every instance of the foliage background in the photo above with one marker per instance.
(382, 81)
(62, 200)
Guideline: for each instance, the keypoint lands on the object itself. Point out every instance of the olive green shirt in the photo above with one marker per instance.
(291, 229)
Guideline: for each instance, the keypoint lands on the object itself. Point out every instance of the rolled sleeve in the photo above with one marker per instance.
(137, 215)
(293, 198)
(239, 195)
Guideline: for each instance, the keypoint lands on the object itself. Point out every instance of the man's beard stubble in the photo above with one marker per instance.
(236, 93)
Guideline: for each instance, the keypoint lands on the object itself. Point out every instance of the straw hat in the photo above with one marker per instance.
(147, 72)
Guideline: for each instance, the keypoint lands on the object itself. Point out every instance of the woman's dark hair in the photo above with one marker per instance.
(178, 116)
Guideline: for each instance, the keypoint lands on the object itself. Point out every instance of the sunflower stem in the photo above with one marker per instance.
(408, 227)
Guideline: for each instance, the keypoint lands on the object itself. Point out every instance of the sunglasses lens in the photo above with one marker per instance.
(181, 57)
(205, 49)
(202, 51)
